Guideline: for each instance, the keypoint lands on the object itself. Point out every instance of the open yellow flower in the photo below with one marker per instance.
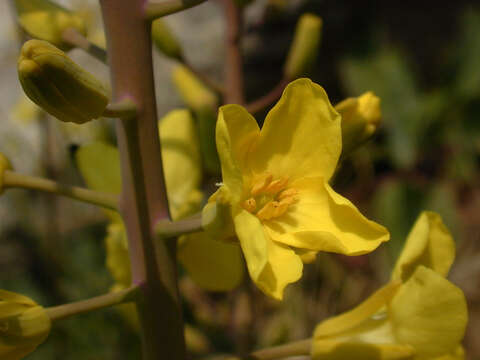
(418, 315)
(23, 325)
(275, 186)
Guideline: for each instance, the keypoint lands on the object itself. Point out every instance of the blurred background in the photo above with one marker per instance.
(421, 59)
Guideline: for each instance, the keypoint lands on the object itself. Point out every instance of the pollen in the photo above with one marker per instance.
(269, 197)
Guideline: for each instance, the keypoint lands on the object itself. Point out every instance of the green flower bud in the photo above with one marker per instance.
(45, 20)
(23, 325)
(4, 166)
(58, 85)
(165, 41)
(304, 47)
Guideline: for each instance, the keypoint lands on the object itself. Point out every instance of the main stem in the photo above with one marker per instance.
(143, 199)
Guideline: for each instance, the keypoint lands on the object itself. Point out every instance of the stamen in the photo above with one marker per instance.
(287, 193)
(276, 185)
(268, 211)
(289, 200)
(250, 205)
(280, 209)
(261, 183)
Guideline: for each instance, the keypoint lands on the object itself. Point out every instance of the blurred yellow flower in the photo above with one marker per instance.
(23, 325)
(275, 187)
(360, 119)
(4, 166)
(418, 315)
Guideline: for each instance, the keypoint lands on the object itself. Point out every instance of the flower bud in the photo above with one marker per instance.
(45, 20)
(23, 325)
(165, 41)
(360, 119)
(58, 85)
(304, 48)
(4, 166)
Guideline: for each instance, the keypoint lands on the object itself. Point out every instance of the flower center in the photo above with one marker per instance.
(269, 198)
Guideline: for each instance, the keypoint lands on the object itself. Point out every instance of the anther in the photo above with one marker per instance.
(287, 193)
(268, 211)
(261, 184)
(276, 185)
(250, 205)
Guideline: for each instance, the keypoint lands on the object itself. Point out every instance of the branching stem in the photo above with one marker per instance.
(76, 39)
(166, 229)
(99, 302)
(268, 99)
(156, 9)
(15, 180)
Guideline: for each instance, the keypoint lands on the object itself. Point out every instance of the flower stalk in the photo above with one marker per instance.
(156, 9)
(15, 180)
(166, 229)
(99, 302)
(75, 38)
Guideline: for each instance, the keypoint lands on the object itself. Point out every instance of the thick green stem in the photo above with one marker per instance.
(99, 302)
(143, 199)
(15, 180)
(234, 92)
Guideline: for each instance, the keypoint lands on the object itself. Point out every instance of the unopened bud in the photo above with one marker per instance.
(45, 20)
(58, 85)
(23, 325)
(165, 41)
(360, 119)
(304, 48)
(4, 166)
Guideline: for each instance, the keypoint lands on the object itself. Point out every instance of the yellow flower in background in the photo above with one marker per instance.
(23, 325)
(418, 315)
(45, 20)
(275, 187)
(429, 243)
(361, 117)
(212, 264)
(4, 166)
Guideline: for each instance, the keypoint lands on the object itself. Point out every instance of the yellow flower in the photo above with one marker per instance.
(212, 264)
(418, 315)
(275, 187)
(23, 325)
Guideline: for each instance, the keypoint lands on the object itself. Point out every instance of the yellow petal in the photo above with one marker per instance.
(345, 350)
(457, 354)
(301, 135)
(181, 161)
(236, 131)
(118, 260)
(213, 265)
(348, 321)
(322, 220)
(271, 265)
(429, 313)
(430, 244)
